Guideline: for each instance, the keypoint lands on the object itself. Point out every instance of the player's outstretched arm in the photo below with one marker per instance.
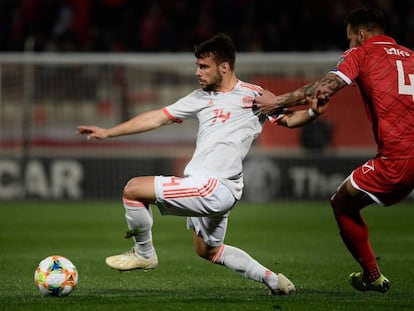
(144, 122)
(268, 103)
(299, 118)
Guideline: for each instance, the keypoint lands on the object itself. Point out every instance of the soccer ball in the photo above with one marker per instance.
(56, 276)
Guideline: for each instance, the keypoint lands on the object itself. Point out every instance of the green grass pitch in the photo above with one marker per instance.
(299, 239)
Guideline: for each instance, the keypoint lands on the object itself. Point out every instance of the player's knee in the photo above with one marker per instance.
(130, 188)
(201, 251)
(333, 200)
(336, 204)
(340, 197)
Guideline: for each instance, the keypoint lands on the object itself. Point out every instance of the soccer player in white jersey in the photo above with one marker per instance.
(212, 181)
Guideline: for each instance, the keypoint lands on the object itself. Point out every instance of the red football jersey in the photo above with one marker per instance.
(384, 72)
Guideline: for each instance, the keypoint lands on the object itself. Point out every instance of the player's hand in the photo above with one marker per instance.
(319, 103)
(92, 132)
(266, 101)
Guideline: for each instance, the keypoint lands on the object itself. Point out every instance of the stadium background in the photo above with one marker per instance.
(64, 63)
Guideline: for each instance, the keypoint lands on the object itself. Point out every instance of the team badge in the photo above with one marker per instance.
(248, 101)
(368, 167)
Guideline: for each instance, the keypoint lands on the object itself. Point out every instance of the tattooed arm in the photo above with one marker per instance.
(328, 86)
(321, 90)
(297, 118)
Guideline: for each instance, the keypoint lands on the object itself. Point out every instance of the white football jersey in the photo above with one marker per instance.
(228, 125)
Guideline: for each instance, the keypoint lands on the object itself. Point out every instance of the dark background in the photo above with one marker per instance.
(176, 25)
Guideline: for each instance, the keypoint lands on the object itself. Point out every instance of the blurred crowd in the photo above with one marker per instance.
(177, 25)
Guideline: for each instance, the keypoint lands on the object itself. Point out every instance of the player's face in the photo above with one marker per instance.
(208, 74)
(354, 38)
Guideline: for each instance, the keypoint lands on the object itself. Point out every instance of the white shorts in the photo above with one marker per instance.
(205, 201)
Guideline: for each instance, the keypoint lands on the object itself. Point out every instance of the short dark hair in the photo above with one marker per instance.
(221, 46)
(369, 18)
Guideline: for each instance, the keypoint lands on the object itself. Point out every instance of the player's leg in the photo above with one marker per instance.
(138, 193)
(347, 203)
(234, 258)
(174, 196)
(207, 202)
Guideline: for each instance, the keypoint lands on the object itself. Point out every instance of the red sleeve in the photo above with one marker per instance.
(350, 62)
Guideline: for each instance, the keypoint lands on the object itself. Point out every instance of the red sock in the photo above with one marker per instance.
(354, 233)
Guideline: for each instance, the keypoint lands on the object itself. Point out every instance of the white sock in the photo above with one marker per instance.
(242, 263)
(139, 217)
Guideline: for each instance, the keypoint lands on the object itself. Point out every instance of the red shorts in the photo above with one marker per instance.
(386, 181)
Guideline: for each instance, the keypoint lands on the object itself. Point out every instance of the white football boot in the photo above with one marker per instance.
(284, 286)
(130, 260)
